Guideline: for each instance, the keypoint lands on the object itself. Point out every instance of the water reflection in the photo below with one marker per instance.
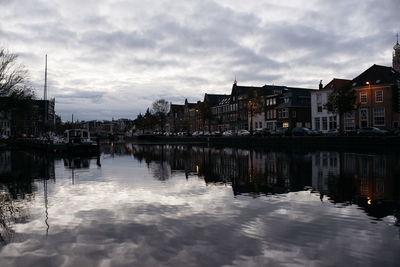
(18, 171)
(368, 180)
(198, 206)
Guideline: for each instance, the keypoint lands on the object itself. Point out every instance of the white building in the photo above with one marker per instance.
(321, 119)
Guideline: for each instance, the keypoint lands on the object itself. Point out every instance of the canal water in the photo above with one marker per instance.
(163, 205)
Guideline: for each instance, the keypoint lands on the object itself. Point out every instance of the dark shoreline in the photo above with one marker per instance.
(340, 143)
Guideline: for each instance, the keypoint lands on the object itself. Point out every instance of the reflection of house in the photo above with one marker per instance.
(5, 162)
(247, 171)
(325, 165)
(322, 119)
(350, 176)
(374, 174)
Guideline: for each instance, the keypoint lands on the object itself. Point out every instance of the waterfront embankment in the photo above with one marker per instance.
(347, 143)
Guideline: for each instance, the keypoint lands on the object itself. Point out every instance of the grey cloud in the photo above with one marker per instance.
(195, 46)
(116, 39)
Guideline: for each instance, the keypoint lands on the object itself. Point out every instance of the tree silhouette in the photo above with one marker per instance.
(341, 101)
(160, 109)
(255, 104)
(206, 114)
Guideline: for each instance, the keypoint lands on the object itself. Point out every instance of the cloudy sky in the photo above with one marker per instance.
(113, 58)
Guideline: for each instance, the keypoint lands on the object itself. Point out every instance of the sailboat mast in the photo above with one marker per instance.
(45, 80)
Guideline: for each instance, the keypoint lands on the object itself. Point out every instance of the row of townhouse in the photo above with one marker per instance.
(377, 105)
(282, 106)
(36, 121)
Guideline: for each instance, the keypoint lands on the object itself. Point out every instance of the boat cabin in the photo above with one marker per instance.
(77, 136)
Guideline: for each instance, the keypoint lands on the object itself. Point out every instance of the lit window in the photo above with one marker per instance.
(363, 98)
(285, 125)
(379, 96)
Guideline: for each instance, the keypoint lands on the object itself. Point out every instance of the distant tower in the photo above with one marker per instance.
(396, 55)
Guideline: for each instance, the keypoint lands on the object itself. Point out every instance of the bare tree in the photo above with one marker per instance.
(160, 109)
(255, 105)
(12, 75)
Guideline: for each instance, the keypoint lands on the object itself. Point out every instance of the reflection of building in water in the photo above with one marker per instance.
(373, 174)
(370, 180)
(18, 172)
(325, 165)
(5, 162)
(248, 171)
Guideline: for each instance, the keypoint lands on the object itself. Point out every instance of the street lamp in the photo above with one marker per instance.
(370, 104)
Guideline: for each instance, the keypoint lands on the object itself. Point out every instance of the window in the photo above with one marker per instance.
(256, 125)
(285, 125)
(260, 124)
(379, 116)
(363, 98)
(332, 122)
(294, 113)
(286, 100)
(317, 124)
(319, 108)
(379, 96)
(324, 123)
(285, 113)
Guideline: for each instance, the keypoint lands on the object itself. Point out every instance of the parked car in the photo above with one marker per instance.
(332, 132)
(205, 133)
(216, 133)
(262, 132)
(196, 133)
(228, 133)
(394, 131)
(300, 131)
(281, 131)
(243, 133)
(372, 131)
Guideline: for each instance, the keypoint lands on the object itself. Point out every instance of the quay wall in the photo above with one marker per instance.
(301, 142)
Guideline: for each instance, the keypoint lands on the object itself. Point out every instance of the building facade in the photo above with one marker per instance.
(323, 120)
(377, 98)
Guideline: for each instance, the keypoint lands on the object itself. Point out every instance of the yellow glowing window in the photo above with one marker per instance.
(285, 125)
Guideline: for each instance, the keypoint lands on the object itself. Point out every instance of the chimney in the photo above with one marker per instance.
(320, 85)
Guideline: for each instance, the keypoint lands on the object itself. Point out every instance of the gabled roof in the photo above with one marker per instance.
(225, 100)
(377, 75)
(242, 90)
(213, 99)
(336, 83)
(177, 108)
